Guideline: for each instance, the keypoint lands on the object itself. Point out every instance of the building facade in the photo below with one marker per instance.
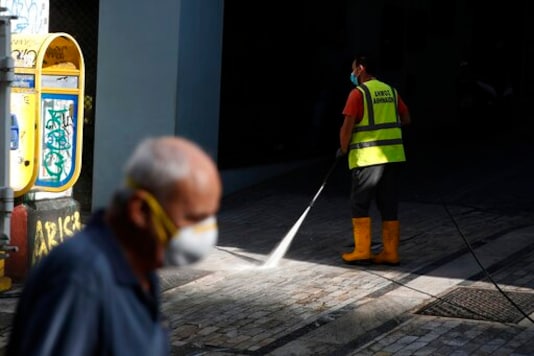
(261, 85)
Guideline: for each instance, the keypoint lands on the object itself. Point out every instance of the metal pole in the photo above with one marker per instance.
(6, 193)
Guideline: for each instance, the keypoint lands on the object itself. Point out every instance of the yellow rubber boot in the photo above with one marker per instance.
(390, 240)
(361, 228)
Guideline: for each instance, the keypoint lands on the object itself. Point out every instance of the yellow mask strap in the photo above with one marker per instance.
(165, 228)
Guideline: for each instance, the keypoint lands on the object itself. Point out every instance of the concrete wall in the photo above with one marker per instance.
(158, 73)
(199, 72)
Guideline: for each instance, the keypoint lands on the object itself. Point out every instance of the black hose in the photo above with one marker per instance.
(482, 267)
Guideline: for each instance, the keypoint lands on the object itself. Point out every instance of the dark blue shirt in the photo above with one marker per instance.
(83, 299)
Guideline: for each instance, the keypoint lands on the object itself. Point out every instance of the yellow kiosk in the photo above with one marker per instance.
(45, 149)
(46, 112)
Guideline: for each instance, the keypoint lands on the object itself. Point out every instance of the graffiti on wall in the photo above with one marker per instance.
(24, 58)
(58, 151)
(53, 230)
(32, 15)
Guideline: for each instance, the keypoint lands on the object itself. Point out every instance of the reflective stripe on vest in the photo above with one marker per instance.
(377, 141)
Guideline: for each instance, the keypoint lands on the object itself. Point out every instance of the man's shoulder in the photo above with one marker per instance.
(76, 249)
(377, 82)
(356, 92)
(76, 257)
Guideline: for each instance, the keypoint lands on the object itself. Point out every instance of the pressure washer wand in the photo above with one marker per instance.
(282, 247)
(324, 182)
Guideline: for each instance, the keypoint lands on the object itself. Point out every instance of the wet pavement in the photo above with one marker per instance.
(467, 242)
(313, 304)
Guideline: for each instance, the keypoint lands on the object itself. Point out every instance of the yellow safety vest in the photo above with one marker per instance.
(377, 138)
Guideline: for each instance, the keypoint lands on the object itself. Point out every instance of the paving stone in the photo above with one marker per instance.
(313, 304)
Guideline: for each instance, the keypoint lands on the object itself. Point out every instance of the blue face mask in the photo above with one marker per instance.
(353, 79)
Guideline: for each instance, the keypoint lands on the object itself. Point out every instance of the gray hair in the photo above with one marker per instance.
(155, 164)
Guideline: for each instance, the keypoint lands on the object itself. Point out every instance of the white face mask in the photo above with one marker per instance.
(187, 245)
(192, 243)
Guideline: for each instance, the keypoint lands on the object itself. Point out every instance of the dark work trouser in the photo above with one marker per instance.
(379, 182)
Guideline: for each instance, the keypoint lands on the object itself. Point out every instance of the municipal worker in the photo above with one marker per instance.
(371, 136)
(97, 293)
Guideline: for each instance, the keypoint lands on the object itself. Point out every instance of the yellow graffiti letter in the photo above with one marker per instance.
(76, 225)
(60, 225)
(68, 232)
(40, 248)
(51, 230)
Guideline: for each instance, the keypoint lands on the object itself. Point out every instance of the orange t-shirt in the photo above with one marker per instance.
(354, 105)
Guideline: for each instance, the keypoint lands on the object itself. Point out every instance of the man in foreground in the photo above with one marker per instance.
(98, 292)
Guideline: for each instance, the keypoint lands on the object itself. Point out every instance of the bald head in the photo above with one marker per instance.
(175, 170)
(158, 163)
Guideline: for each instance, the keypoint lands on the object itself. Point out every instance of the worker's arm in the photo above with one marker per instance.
(345, 133)
(353, 113)
(405, 119)
(404, 113)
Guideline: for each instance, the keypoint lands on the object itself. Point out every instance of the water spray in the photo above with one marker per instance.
(277, 254)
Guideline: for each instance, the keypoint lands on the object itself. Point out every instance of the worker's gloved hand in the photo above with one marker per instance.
(340, 153)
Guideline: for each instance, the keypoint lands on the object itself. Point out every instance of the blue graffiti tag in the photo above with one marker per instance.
(30, 17)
